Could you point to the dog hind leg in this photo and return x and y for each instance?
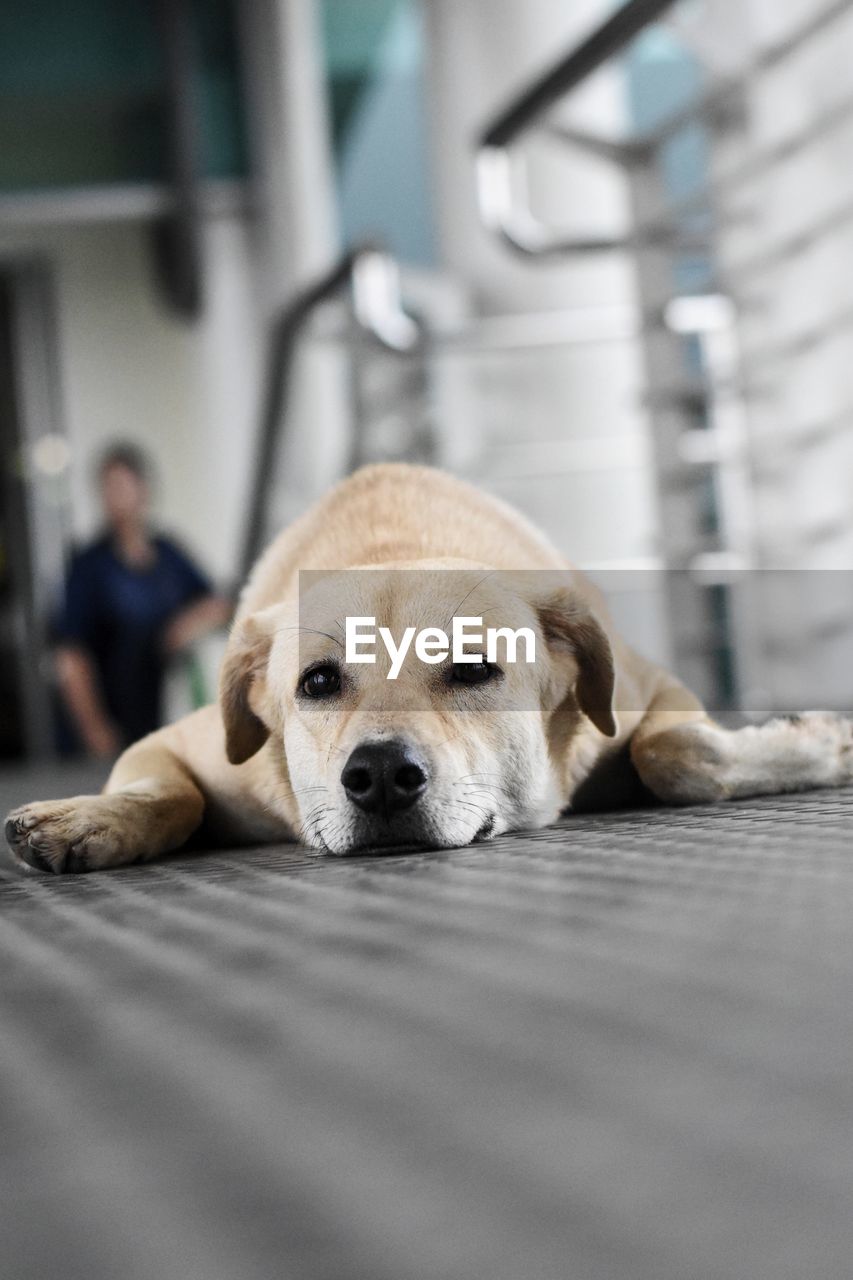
(695, 760)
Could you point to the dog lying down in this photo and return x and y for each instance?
(458, 747)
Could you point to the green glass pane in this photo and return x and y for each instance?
(81, 93)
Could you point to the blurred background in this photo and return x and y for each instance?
(595, 258)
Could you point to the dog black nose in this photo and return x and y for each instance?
(384, 777)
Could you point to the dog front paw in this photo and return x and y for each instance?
(60, 836)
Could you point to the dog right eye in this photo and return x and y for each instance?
(471, 673)
(322, 682)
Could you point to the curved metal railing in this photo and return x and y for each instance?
(500, 177)
(371, 277)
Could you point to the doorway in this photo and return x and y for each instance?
(32, 520)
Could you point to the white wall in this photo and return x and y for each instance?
(130, 370)
(788, 259)
(190, 392)
(560, 431)
(790, 262)
(539, 413)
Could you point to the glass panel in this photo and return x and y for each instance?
(374, 60)
(81, 93)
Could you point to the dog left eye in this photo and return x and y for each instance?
(322, 682)
(473, 672)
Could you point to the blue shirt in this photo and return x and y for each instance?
(117, 612)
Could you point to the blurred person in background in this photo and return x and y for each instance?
(132, 601)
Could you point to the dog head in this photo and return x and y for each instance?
(428, 747)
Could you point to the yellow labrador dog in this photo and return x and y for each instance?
(314, 740)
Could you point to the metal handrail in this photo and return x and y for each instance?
(372, 278)
(569, 72)
(502, 206)
(500, 175)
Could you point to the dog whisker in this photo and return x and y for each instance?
(474, 808)
(484, 578)
(478, 791)
(487, 788)
(313, 819)
(312, 631)
(466, 777)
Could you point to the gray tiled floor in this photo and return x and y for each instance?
(621, 1049)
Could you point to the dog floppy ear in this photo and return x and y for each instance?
(569, 626)
(242, 669)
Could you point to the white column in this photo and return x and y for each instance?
(480, 54)
(297, 231)
(559, 431)
(289, 140)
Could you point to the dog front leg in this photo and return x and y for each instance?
(150, 806)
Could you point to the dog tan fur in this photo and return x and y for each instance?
(272, 761)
